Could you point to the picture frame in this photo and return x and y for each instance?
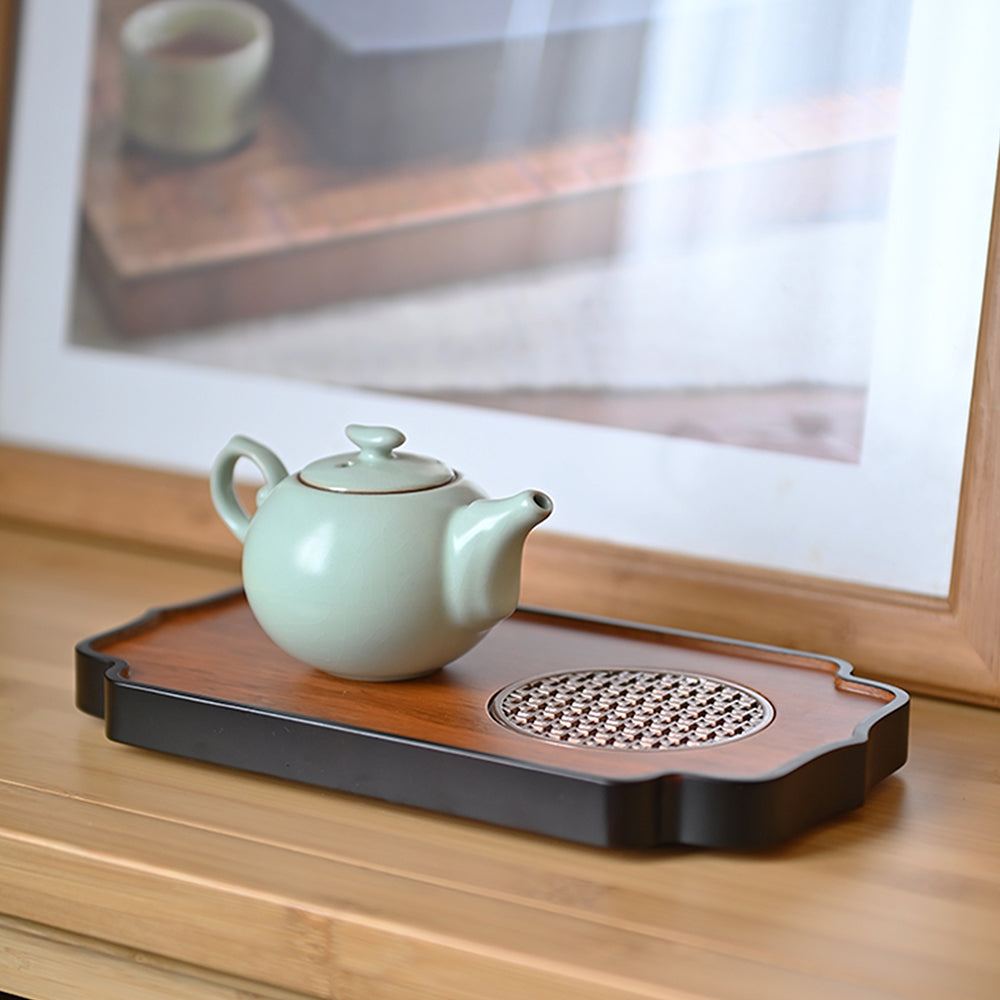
(941, 643)
(8, 48)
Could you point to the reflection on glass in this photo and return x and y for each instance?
(661, 216)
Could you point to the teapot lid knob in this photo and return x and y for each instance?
(376, 443)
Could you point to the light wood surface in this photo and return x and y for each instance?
(128, 873)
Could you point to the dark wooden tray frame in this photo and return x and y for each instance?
(622, 799)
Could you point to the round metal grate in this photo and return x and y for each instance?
(632, 709)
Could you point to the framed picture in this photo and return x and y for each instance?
(857, 552)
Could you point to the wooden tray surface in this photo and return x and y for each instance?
(203, 681)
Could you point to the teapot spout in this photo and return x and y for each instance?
(483, 556)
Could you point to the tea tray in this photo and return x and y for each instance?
(602, 732)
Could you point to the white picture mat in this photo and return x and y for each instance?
(888, 521)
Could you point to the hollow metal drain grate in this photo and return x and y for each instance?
(632, 709)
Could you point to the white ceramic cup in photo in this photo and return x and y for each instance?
(193, 72)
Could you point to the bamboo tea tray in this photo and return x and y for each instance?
(602, 732)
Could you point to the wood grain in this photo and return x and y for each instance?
(127, 863)
(40, 961)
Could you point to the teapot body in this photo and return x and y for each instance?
(355, 584)
(374, 565)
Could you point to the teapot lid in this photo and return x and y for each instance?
(376, 468)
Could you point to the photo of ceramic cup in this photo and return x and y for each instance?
(193, 74)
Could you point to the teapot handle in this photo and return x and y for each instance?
(221, 480)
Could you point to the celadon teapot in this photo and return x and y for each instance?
(375, 564)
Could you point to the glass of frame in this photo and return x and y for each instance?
(881, 528)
